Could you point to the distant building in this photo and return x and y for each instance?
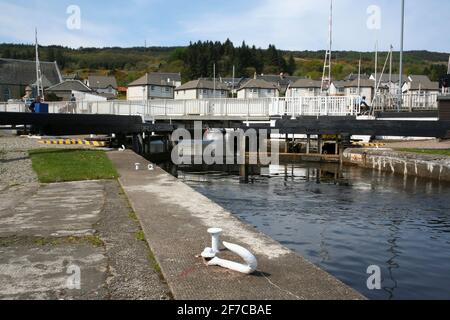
(258, 88)
(16, 75)
(390, 82)
(202, 89)
(72, 76)
(234, 84)
(420, 84)
(337, 88)
(352, 77)
(304, 88)
(154, 86)
(64, 90)
(282, 81)
(105, 86)
(366, 88)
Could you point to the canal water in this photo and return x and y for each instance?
(345, 221)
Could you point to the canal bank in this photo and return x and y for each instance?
(175, 219)
(400, 162)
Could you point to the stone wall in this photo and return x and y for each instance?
(402, 163)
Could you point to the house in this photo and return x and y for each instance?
(337, 88)
(366, 88)
(282, 81)
(65, 89)
(258, 88)
(389, 81)
(105, 86)
(202, 89)
(420, 84)
(16, 75)
(234, 84)
(154, 86)
(304, 88)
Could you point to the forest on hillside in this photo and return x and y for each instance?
(197, 60)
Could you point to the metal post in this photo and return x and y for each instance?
(401, 56)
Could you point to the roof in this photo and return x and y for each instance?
(425, 85)
(340, 83)
(203, 84)
(385, 77)
(23, 72)
(70, 85)
(306, 83)
(422, 82)
(353, 76)
(259, 84)
(102, 82)
(157, 79)
(364, 83)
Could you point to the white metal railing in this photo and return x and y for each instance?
(245, 108)
(410, 102)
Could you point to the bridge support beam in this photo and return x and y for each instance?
(308, 144)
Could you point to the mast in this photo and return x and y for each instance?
(400, 81)
(376, 66)
(390, 67)
(326, 78)
(234, 74)
(359, 76)
(40, 89)
(214, 72)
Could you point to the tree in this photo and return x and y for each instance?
(292, 65)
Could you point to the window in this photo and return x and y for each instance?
(167, 89)
(311, 89)
(153, 88)
(353, 90)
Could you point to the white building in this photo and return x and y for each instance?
(202, 89)
(389, 81)
(105, 86)
(420, 84)
(258, 88)
(154, 86)
(366, 88)
(304, 88)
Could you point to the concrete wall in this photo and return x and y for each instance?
(402, 163)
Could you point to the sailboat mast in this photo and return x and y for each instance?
(40, 89)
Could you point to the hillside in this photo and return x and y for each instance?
(197, 59)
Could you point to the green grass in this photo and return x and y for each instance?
(62, 165)
(438, 152)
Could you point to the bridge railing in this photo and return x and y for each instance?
(410, 102)
(245, 108)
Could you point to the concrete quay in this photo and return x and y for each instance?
(175, 219)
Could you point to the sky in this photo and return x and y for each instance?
(288, 24)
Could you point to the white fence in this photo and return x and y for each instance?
(410, 102)
(245, 108)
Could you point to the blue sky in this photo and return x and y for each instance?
(289, 24)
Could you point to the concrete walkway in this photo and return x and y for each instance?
(48, 231)
(175, 220)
